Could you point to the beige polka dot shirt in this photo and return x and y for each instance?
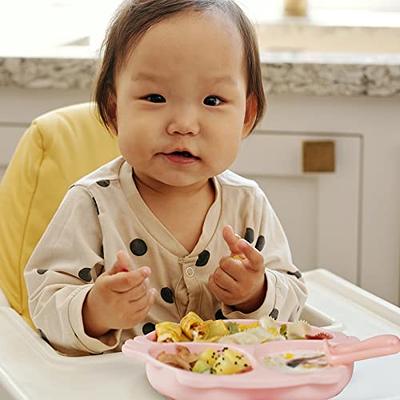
(103, 213)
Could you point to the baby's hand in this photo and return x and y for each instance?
(239, 280)
(119, 299)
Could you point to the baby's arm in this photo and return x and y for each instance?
(61, 273)
(284, 289)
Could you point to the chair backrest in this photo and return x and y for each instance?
(57, 149)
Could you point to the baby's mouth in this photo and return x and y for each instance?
(184, 154)
(181, 157)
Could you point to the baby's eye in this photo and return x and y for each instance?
(154, 98)
(212, 101)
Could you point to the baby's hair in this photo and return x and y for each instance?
(131, 21)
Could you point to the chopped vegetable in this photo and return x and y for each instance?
(217, 362)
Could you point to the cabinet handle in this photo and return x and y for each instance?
(319, 156)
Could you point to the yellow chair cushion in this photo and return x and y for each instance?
(57, 149)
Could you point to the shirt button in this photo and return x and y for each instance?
(189, 272)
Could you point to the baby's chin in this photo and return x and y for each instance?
(175, 180)
(182, 182)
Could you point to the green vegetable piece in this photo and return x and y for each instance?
(201, 367)
(283, 330)
(233, 327)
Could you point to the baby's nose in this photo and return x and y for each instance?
(184, 122)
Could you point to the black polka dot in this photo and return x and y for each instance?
(138, 247)
(203, 258)
(97, 270)
(274, 313)
(249, 235)
(260, 243)
(85, 274)
(219, 315)
(41, 271)
(95, 205)
(148, 327)
(103, 183)
(297, 274)
(167, 295)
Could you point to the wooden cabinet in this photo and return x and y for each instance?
(371, 125)
(319, 211)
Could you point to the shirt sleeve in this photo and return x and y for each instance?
(61, 272)
(286, 291)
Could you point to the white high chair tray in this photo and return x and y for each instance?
(31, 370)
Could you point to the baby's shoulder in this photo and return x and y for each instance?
(240, 196)
(243, 190)
(231, 181)
(102, 176)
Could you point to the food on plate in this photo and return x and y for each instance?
(193, 328)
(223, 361)
(299, 361)
(169, 332)
(190, 324)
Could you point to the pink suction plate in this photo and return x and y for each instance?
(262, 382)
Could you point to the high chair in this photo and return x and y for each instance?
(57, 149)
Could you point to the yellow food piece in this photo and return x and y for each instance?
(244, 327)
(288, 356)
(273, 330)
(189, 323)
(210, 331)
(229, 362)
(169, 332)
(208, 356)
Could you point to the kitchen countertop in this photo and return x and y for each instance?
(286, 72)
(297, 57)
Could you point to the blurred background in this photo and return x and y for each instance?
(327, 152)
(59, 22)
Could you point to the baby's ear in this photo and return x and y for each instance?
(250, 116)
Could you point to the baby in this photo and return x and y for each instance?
(166, 228)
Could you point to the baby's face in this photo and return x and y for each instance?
(181, 100)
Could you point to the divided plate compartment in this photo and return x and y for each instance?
(320, 319)
(260, 383)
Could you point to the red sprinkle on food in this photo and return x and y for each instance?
(320, 336)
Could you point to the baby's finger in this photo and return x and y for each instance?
(141, 302)
(231, 239)
(125, 281)
(224, 280)
(255, 258)
(220, 293)
(124, 259)
(122, 264)
(137, 292)
(141, 314)
(234, 268)
(143, 305)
